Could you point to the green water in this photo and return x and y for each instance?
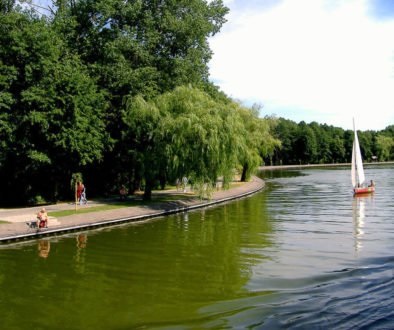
(303, 253)
(160, 272)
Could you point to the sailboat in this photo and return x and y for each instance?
(358, 176)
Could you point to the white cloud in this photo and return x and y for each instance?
(306, 61)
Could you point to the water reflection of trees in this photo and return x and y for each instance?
(279, 173)
(160, 271)
(169, 269)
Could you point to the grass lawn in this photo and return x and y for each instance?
(118, 204)
(159, 196)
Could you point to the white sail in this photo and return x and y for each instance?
(358, 176)
(354, 179)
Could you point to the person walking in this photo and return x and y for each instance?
(81, 193)
(184, 183)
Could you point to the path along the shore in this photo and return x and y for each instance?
(16, 228)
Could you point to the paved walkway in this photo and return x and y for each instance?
(17, 229)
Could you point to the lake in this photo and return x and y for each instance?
(304, 253)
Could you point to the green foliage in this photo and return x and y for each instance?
(52, 114)
(6, 6)
(254, 139)
(385, 147)
(305, 144)
(182, 133)
(138, 48)
(37, 200)
(119, 92)
(143, 47)
(319, 143)
(198, 131)
(75, 178)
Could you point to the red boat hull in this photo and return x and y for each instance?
(363, 190)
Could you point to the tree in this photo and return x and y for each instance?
(269, 144)
(183, 133)
(367, 144)
(385, 147)
(256, 140)
(53, 109)
(337, 149)
(6, 6)
(305, 145)
(142, 120)
(139, 48)
(311, 143)
(385, 144)
(143, 47)
(285, 131)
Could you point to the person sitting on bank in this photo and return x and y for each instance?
(42, 218)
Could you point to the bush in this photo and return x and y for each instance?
(37, 200)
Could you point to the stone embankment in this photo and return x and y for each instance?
(16, 228)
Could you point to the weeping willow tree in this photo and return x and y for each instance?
(269, 143)
(248, 156)
(142, 121)
(202, 137)
(188, 133)
(183, 133)
(255, 140)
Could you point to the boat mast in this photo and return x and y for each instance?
(357, 160)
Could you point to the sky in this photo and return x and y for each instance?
(327, 61)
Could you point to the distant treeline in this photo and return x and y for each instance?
(315, 143)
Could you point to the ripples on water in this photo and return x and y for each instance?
(303, 254)
(334, 266)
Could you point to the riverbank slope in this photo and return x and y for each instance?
(16, 228)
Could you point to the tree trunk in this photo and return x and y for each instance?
(245, 168)
(148, 190)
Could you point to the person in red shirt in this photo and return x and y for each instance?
(80, 188)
